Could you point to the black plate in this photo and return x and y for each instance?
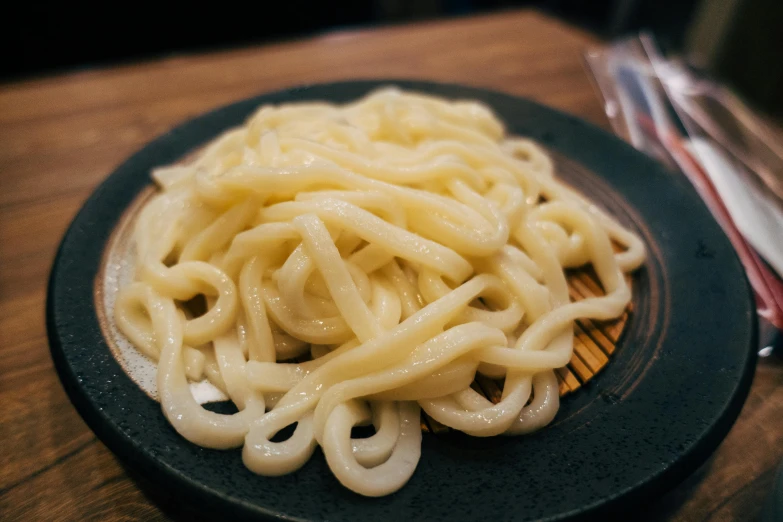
(668, 397)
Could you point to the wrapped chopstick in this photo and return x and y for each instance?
(641, 95)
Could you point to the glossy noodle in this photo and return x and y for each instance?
(357, 264)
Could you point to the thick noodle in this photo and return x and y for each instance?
(360, 263)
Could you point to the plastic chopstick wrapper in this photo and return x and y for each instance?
(647, 101)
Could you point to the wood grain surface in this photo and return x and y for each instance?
(60, 136)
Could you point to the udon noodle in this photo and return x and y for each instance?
(357, 264)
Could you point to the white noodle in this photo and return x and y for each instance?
(404, 242)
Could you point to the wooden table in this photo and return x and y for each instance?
(61, 136)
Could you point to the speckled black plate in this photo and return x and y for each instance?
(665, 401)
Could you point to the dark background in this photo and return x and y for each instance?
(46, 36)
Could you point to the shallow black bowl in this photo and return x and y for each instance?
(668, 397)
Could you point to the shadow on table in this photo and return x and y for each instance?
(172, 507)
(745, 506)
(671, 503)
(721, 492)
